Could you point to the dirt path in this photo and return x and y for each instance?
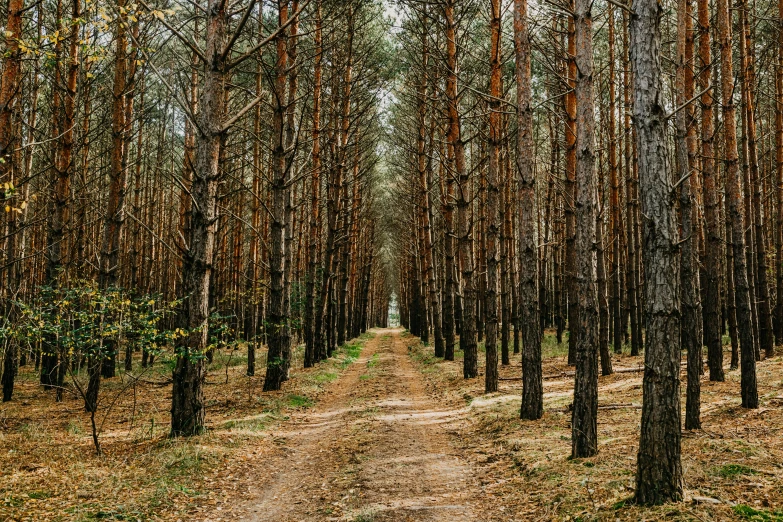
(374, 448)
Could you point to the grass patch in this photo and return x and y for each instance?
(185, 459)
(757, 515)
(341, 359)
(299, 401)
(350, 352)
(325, 377)
(75, 427)
(423, 357)
(228, 359)
(371, 364)
(728, 471)
(551, 348)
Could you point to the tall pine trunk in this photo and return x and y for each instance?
(492, 208)
(187, 403)
(659, 470)
(277, 320)
(584, 425)
(467, 338)
(532, 378)
(713, 242)
(735, 212)
(690, 329)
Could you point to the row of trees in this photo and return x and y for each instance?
(218, 155)
(576, 175)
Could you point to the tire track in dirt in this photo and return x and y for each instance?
(373, 448)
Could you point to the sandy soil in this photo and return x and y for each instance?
(375, 447)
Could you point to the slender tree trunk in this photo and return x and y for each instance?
(115, 210)
(617, 226)
(603, 304)
(634, 300)
(277, 319)
(690, 331)
(9, 87)
(187, 407)
(449, 292)
(735, 212)
(584, 426)
(492, 209)
(467, 338)
(64, 170)
(713, 246)
(779, 179)
(731, 308)
(315, 189)
(764, 312)
(532, 378)
(571, 193)
(659, 470)
(505, 259)
(423, 194)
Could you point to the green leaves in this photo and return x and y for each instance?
(80, 319)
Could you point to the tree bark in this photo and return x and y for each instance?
(571, 192)
(659, 470)
(9, 90)
(584, 426)
(779, 180)
(763, 309)
(713, 247)
(617, 227)
(277, 319)
(492, 208)
(690, 331)
(315, 188)
(532, 379)
(467, 338)
(735, 212)
(187, 403)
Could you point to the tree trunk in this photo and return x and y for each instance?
(422, 196)
(603, 304)
(764, 312)
(632, 199)
(616, 304)
(713, 247)
(467, 338)
(449, 291)
(690, 331)
(779, 179)
(532, 378)
(315, 189)
(187, 403)
(659, 470)
(571, 193)
(9, 86)
(277, 320)
(115, 210)
(492, 207)
(735, 212)
(779, 191)
(584, 426)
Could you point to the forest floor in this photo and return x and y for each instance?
(382, 432)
